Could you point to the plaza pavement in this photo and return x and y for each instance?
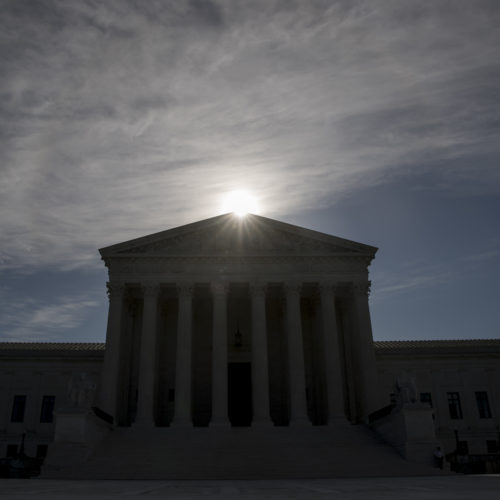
(456, 487)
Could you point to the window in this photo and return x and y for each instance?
(47, 413)
(454, 405)
(492, 446)
(425, 397)
(41, 450)
(11, 450)
(18, 408)
(483, 405)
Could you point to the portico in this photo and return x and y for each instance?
(238, 308)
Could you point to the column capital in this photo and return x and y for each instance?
(258, 289)
(115, 290)
(361, 288)
(150, 289)
(220, 288)
(327, 288)
(292, 288)
(185, 290)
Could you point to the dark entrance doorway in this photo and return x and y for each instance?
(239, 394)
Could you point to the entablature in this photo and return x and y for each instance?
(231, 265)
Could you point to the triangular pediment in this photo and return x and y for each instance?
(227, 235)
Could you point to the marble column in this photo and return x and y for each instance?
(147, 357)
(260, 369)
(366, 362)
(354, 413)
(331, 350)
(219, 355)
(111, 367)
(182, 408)
(296, 368)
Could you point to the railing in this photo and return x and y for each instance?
(474, 464)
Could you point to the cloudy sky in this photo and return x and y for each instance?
(377, 121)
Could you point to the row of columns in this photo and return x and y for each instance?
(260, 371)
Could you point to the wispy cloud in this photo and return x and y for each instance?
(482, 256)
(32, 320)
(410, 283)
(123, 118)
(419, 275)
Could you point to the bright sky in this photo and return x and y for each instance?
(376, 121)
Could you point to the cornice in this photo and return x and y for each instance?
(51, 351)
(341, 261)
(483, 348)
(384, 350)
(339, 256)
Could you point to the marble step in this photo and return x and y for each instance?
(240, 453)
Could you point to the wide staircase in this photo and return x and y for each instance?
(237, 453)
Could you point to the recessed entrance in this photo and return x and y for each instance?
(240, 394)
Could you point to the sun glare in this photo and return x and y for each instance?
(240, 203)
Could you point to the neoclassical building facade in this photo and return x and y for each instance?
(246, 339)
(235, 320)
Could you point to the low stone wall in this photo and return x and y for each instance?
(410, 430)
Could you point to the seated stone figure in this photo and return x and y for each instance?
(81, 390)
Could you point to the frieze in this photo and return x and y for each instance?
(230, 265)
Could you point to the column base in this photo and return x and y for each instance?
(143, 424)
(219, 424)
(181, 424)
(300, 422)
(337, 420)
(262, 423)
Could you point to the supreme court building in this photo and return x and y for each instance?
(242, 347)
(238, 321)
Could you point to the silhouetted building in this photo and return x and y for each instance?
(242, 347)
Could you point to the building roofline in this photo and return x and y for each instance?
(437, 347)
(391, 344)
(229, 218)
(381, 346)
(52, 346)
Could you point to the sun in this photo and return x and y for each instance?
(240, 202)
